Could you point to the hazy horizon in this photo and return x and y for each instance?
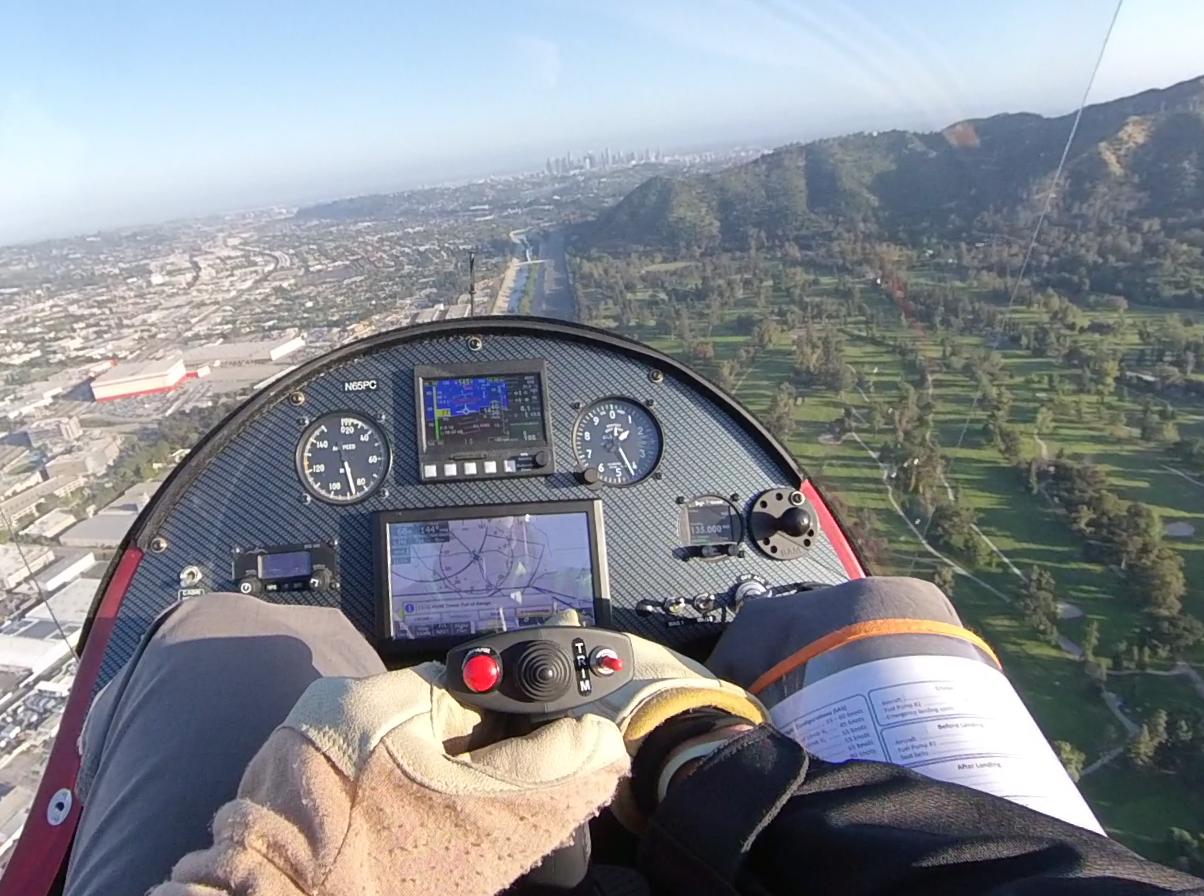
(127, 116)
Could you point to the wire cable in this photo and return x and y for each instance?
(1032, 243)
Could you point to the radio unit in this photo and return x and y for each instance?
(286, 567)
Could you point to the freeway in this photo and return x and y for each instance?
(553, 298)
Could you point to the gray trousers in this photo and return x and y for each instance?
(166, 741)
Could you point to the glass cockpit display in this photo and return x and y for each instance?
(478, 411)
(459, 572)
(483, 420)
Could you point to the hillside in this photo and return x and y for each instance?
(1129, 213)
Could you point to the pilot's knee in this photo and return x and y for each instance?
(228, 614)
(890, 597)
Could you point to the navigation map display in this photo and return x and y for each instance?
(449, 575)
(484, 411)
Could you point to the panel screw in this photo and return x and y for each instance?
(296, 398)
(733, 497)
(680, 499)
(797, 499)
(59, 807)
(384, 492)
(577, 405)
(475, 343)
(658, 475)
(306, 499)
(158, 544)
(303, 421)
(656, 376)
(650, 402)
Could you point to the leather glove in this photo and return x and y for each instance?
(665, 684)
(386, 785)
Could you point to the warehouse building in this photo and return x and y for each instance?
(33, 649)
(18, 563)
(12, 456)
(64, 572)
(67, 608)
(26, 502)
(257, 352)
(105, 530)
(127, 380)
(49, 525)
(90, 460)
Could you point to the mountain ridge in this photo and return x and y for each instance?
(1137, 161)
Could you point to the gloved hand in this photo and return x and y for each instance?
(665, 684)
(387, 784)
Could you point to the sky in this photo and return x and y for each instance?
(134, 111)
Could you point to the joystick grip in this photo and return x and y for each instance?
(543, 672)
(547, 671)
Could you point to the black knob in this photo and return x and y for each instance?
(320, 580)
(647, 607)
(542, 672)
(795, 522)
(541, 459)
(250, 585)
(588, 476)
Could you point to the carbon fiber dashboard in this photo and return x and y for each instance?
(240, 489)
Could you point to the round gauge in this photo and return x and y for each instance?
(620, 439)
(342, 458)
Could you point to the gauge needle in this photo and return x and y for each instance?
(630, 465)
(624, 434)
(350, 476)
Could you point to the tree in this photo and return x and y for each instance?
(1142, 748)
(943, 578)
(1160, 581)
(1072, 758)
(1188, 849)
(1157, 724)
(1090, 639)
(1045, 418)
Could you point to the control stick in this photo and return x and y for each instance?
(543, 674)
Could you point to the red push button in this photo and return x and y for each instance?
(481, 672)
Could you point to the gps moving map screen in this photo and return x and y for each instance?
(484, 411)
(456, 577)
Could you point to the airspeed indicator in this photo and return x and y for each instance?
(620, 439)
(342, 458)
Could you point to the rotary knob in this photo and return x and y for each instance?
(750, 588)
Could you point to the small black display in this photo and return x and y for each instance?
(292, 565)
(462, 572)
(484, 411)
(711, 519)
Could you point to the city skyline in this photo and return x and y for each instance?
(122, 117)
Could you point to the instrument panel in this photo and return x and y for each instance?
(441, 481)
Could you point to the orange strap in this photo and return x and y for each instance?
(859, 630)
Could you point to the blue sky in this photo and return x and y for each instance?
(130, 111)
